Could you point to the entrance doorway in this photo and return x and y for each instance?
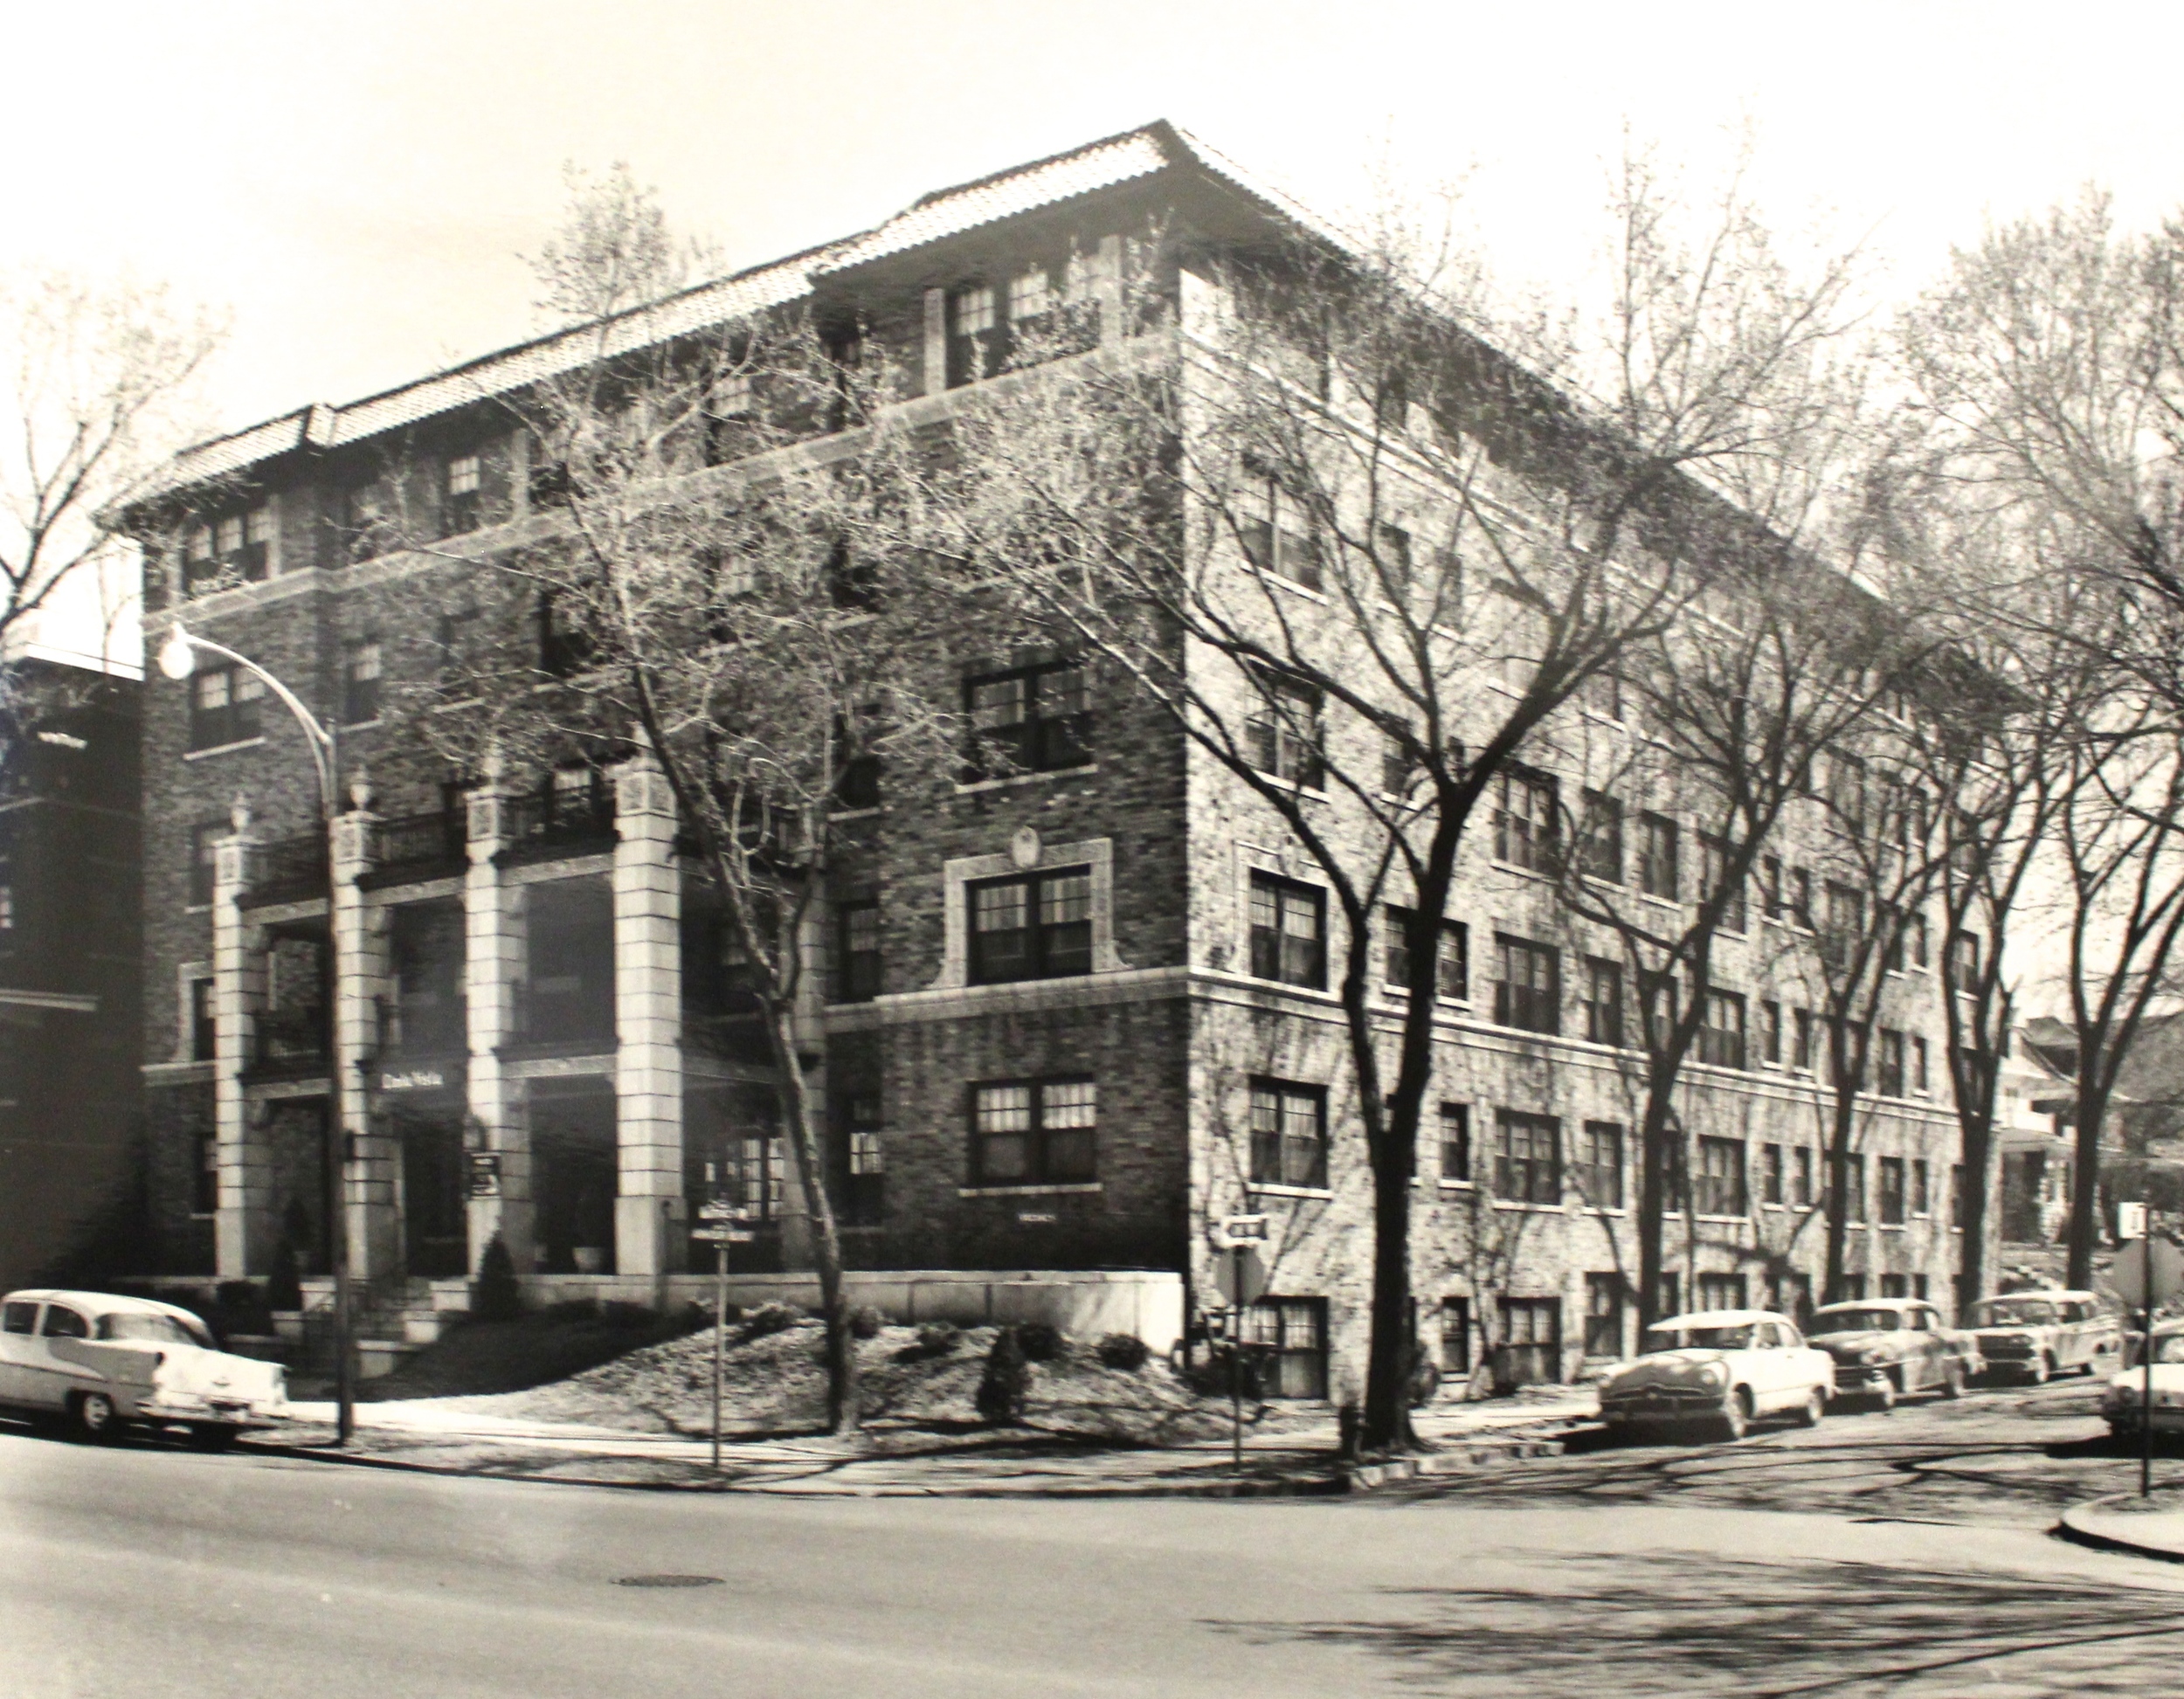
(435, 1226)
(573, 1157)
(302, 1180)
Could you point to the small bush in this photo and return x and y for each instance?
(769, 1319)
(618, 1313)
(240, 1307)
(574, 1309)
(283, 1284)
(1124, 1350)
(1006, 1380)
(1041, 1344)
(866, 1321)
(939, 1339)
(494, 1295)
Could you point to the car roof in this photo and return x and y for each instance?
(1719, 1318)
(1874, 1303)
(2051, 1294)
(102, 1303)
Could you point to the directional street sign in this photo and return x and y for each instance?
(719, 1209)
(723, 1235)
(2131, 1221)
(1236, 1230)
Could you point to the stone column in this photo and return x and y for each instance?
(649, 1226)
(1108, 289)
(936, 368)
(370, 1179)
(493, 961)
(244, 1226)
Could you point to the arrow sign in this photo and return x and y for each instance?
(723, 1235)
(719, 1209)
(1236, 1230)
(2147, 1267)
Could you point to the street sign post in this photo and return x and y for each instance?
(2148, 1271)
(725, 1223)
(1242, 1280)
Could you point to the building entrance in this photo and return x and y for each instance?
(302, 1180)
(435, 1226)
(573, 1158)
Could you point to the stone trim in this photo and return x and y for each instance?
(968, 1002)
(1029, 855)
(1079, 1188)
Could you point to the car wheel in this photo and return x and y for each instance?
(1953, 1380)
(1809, 1413)
(1885, 1394)
(95, 1416)
(1735, 1414)
(2042, 1368)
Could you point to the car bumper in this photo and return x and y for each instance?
(1658, 1408)
(2130, 1418)
(237, 1416)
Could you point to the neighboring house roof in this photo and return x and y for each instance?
(2150, 1075)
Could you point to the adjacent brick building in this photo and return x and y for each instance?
(1072, 1013)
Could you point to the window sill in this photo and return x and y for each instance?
(1268, 1189)
(974, 787)
(224, 749)
(1267, 575)
(1534, 1209)
(1458, 1185)
(1280, 783)
(1522, 871)
(1073, 1188)
(1401, 993)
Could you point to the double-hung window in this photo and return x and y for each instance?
(223, 706)
(1721, 1039)
(864, 1196)
(1600, 1164)
(858, 942)
(1529, 993)
(459, 505)
(1527, 1158)
(1846, 924)
(1288, 1133)
(1282, 734)
(1451, 960)
(1718, 1186)
(1892, 1196)
(1889, 1082)
(1657, 856)
(1600, 855)
(974, 335)
(1288, 931)
(361, 668)
(1276, 533)
(1525, 822)
(1037, 926)
(1714, 879)
(1604, 1000)
(1770, 1173)
(1455, 1142)
(1034, 1132)
(1033, 719)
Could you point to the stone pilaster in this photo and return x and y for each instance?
(649, 1226)
(243, 1226)
(935, 372)
(493, 961)
(371, 1157)
(1108, 288)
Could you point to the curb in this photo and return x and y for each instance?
(2073, 1527)
(1461, 1460)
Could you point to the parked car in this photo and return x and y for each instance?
(1722, 1367)
(1889, 1348)
(105, 1361)
(2033, 1335)
(2123, 1403)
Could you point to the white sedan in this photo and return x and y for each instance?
(105, 1361)
(2123, 1403)
(1725, 1367)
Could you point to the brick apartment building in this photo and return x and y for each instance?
(1072, 1014)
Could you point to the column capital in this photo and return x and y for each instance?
(353, 844)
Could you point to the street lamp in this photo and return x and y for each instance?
(178, 659)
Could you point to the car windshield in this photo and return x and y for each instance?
(158, 1330)
(2015, 1312)
(1701, 1339)
(2169, 1348)
(1856, 1320)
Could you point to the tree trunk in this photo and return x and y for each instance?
(1978, 1134)
(1387, 1409)
(843, 1413)
(2086, 1180)
(1652, 1202)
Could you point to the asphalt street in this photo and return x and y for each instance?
(1897, 1554)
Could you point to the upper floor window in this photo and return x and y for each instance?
(1657, 856)
(1527, 1158)
(203, 1024)
(1038, 926)
(360, 682)
(223, 705)
(1602, 694)
(864, 1197)
(1033, 719)
(205, 838)
(1600, 1164)
(234, 547)
(1846, 786)
(1604, 1000)
(1892, 1198)
(1276, 534)
(1288, 1133)
(1771, 1034)
(1034, 1132)
(1846, 923)
(1601, 855)
(460, 502)
(1890, 1073)
(1525, 822)
(1288, 931)
(1714, 877)
(1964, 962)
(1455, 1142)
(1284, 736)
(564, 646)
(1721, 1041)
(1718, 1186)
(858, 938)
(1451, 964)
(974, 338)
(1529, 993)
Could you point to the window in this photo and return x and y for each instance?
(1892, 1196)
(1031, 298)
(21, 1317)
(1602, 694)
(1288, 931)
(1771, 897)
(974, 339)
(1455, 1142)
(1845, 783)
(1959, 1203)
(224, 704)
(1276, 533)
(1657, 856)
(1451, 965)
(1604, 1304)
(236, 547)
(1529, 993)
(1524, 826)
(1802, 1041)
(1846, 924)
(1890, 925)
(1920, 938)
(1398, 768)
(1894, 1286)
(1770, 1173)
(1034, 720)
(1531, 1340)
(1713, 873)
(1036, 926)
(1660, 1008)
(864, 1194)
(1964, 962)
(1293, 1334)
(1718, 1186)
(62, 1322)
(360, 682)
(1671, 1292)
(204, 1028)
(1032, 1132)
(1801, 1193)
(1890, 1080)
(1604, 1000)
(857, 935)
(205, 840)
(1721, 1039)
(1288, 1133)
(1854, 1188)
(1800, 899)
(1601, 855)
(458, 507)
(1284, 736)
(1721, 1291)
(1920, 1078)
(565, 648)
(1771, 1033)
(204, 1174)
(1600, 1164)
(1921, 1188)
(1456, 1335)
(857, 764)
(1527, 1158)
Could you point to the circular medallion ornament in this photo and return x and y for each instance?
(1024, 848)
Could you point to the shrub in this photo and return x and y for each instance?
(1124, 1350)
(618, 1313)
(494, 1295)
(770, 1318)
(939, 1339)
(284, 1285)
(574, 1309)
(240, 1307)
(866, 1321)
(1007, 1378)
(1041, 1344)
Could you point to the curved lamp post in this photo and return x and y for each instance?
(178, 659)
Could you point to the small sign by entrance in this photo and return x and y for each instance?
(1036, 1218)
(485, 1174)
(723, 1234)
(412, 1079)
(720, 1208)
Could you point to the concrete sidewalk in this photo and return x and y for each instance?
(2150, 1526)
(889, 1462)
